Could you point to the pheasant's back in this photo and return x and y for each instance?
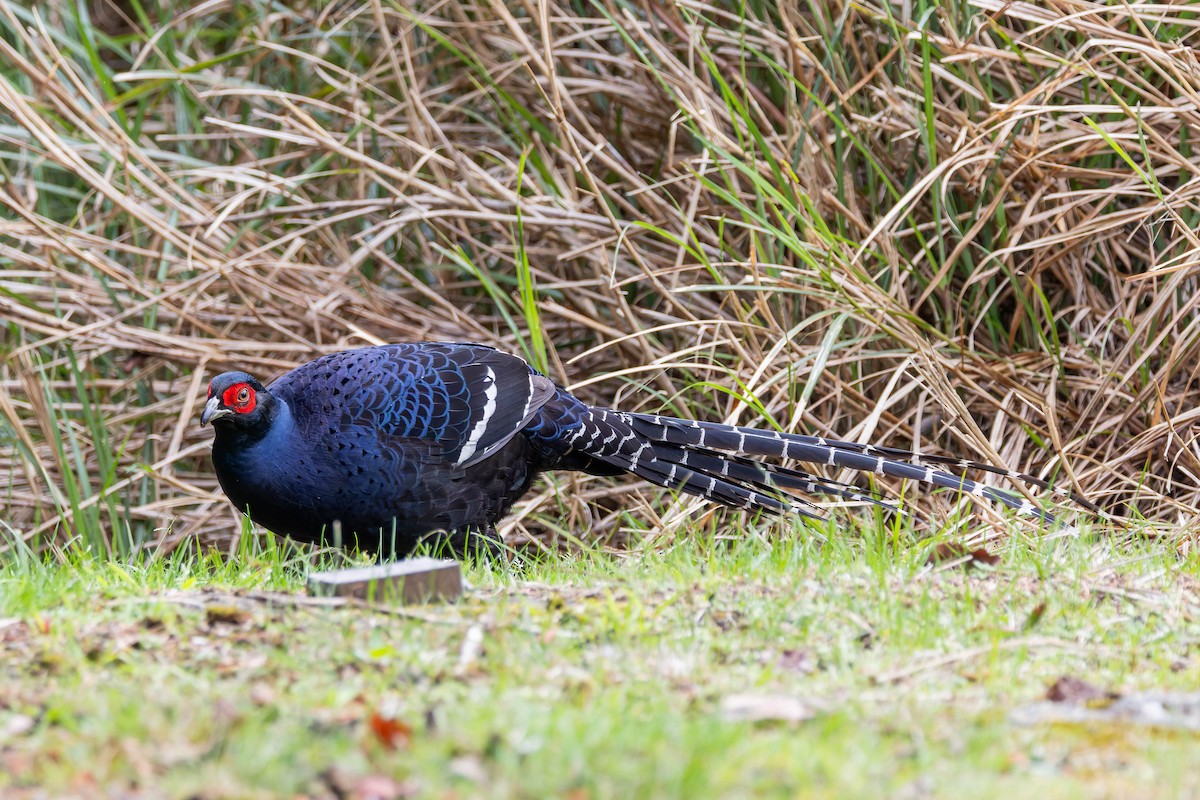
(403, 391)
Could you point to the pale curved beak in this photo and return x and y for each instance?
(213, 411)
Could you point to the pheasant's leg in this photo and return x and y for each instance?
(467, 543)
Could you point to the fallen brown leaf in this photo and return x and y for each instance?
(390, 732)
(225, 615)
(1035, 616)
(954, 551)
(1069, 689)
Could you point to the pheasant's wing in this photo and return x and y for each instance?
(463, 401)
(491, 396)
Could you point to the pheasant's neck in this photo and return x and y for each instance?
(276, 426)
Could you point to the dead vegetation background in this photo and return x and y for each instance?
(962, 227)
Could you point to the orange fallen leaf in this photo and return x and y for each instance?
(391, 733)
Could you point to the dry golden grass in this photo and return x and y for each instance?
(963, 229)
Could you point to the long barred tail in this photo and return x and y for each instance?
(717, 462)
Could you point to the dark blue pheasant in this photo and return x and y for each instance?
(393, 445)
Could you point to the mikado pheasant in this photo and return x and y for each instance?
(393, 445)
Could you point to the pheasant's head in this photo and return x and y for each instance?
(238, 400)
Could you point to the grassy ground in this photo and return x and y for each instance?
(742, 668)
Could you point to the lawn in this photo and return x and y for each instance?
(744, 667)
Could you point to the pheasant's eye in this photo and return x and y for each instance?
(243, 396)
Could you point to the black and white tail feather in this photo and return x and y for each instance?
(718, 462)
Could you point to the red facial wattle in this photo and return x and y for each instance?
(240, 398)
